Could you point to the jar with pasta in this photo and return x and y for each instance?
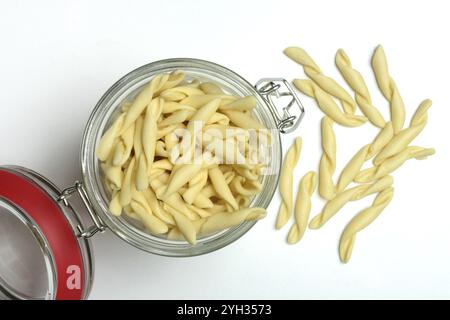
(183, 155)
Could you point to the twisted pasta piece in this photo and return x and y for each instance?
(357, 83)
(185, 226)
(202, 115)
(221, 186)
(389, 89)
(196, 184)
(353, 167)
(400, 141)
(361, 221)
(155, 206)
(327, 84)
(123, 148)
(285, 185)
(225, 220)
(327, 104)
(106, 143)
(137, 140)
(143, 99)
(381, 140)
(391, 164)
(125, 192)
(327, 164)
(306, 188)
(181, 176)
(353, 194)
(113, 174)
(149, 130)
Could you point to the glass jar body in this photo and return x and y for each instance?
(106, 111)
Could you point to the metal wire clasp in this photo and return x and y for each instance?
(98, 224)
(273, 89)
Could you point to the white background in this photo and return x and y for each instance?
(58, 57)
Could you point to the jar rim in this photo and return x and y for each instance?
(109, 102)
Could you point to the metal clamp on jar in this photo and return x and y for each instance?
(45, 248)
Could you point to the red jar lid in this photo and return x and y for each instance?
(32, 202)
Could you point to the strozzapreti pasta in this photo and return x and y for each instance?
(392, 163)
(286, 180)
(327, 164)
(388, 88)
(357, 83)
(353, 167)
(161, 174)
(327, 84)
(302, 206)
(352, 194)
(328, 105)
(401, 140)
(389, 150)
(361, 221)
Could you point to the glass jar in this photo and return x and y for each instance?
(268, 92)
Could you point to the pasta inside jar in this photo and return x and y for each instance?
(207, 166)
(159, 188)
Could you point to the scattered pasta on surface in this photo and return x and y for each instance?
(361, 221)
(302, 207)
(286, 180)
(388, 150)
